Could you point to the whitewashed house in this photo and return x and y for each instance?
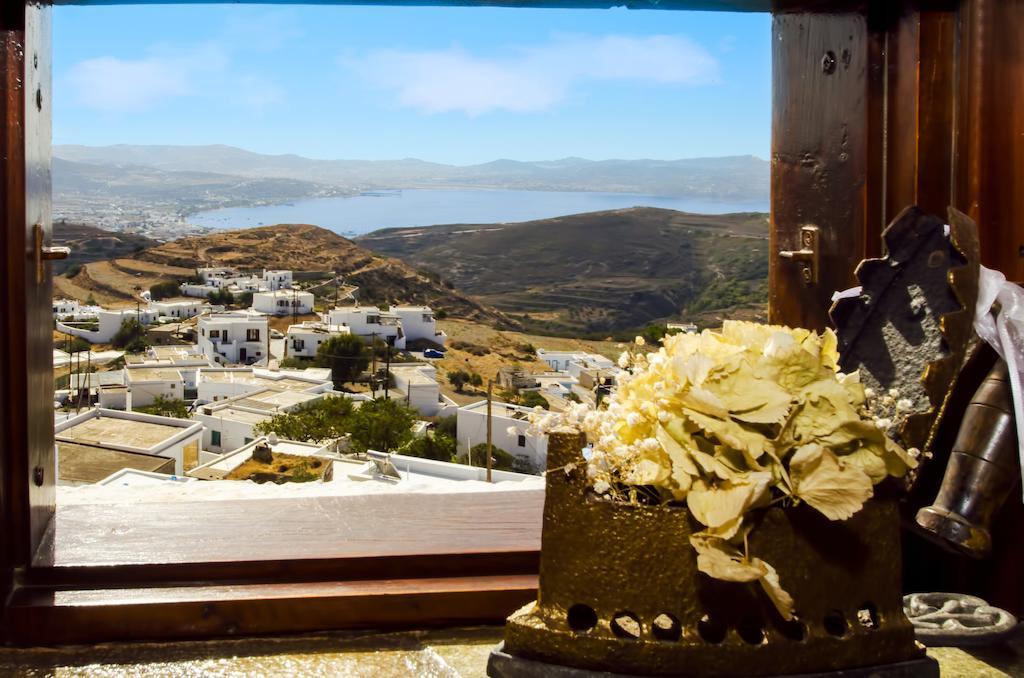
(102, 432)
(109, 323)
(234, 338)
(277, 280)
(215, 384)
(418, 322)
(230, 424)
(146, 384)
(283, 302)
(179, 310)
(509, 424)
(370, 323)
(65, 307)
(416, 386)
(303, 339)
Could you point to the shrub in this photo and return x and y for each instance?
(78, 344)
(72, 270)
(166, 407)
(447, 426)
(164, 290)
(458, 379)
(439, 447)
(500, 459)
(295, 363)
(533, 399)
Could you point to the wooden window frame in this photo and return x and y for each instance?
(905, 113)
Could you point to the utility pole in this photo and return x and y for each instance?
(490, 446)
(373, 365)
(387, 368)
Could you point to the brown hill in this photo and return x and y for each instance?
(302, 247)
(89, 243)
(599, 273)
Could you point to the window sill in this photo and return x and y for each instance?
(251, 566)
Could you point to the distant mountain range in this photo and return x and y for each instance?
(185, 189)
(738, 178)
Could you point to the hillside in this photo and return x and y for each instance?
(302, 247)
(89, 243)
(602, 272)
(738, 178)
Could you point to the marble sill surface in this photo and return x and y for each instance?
(446, 653)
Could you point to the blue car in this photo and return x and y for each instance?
(433, 353)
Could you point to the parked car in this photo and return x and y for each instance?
(433, 353)
(276, 334)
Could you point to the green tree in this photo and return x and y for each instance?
(500, 459)
(166, 407)
(447, 426)
(164, 290)
(476, 380)
(346, 355)
(317, 422)
(131, 336)
(78, 344)
(382, 424)
(439, 447)
(458, 379)
(90, 300)
(533, 399)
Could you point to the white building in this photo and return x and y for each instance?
(418, 322)
(234, 338)
(303, 339)
(587, 368)
(277, 280)
(65, 307)
(416, 386)
(146, 384)
(509, 424)
(370, 323)
(109, 323)
(179, 310)
(99, 431)
(186, 358)
(283, 302)
(230, 424)
(215, 275)
(215, 384)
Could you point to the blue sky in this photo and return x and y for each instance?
(456, 85)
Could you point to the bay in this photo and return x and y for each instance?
(362, 214)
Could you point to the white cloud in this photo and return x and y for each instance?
(532, 78)
(111, 84)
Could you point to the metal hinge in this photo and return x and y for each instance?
(44, 253)
(807, 255)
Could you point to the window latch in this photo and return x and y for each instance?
(44, 253)
(807, 255)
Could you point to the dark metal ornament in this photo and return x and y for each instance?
(620, 590)
(912, 324)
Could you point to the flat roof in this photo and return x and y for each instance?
(506, 410)
(283, 293)
(91, 464)
(275, 399)
(235, 414)
(414, 375)
(125, 431)
(138, 374)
